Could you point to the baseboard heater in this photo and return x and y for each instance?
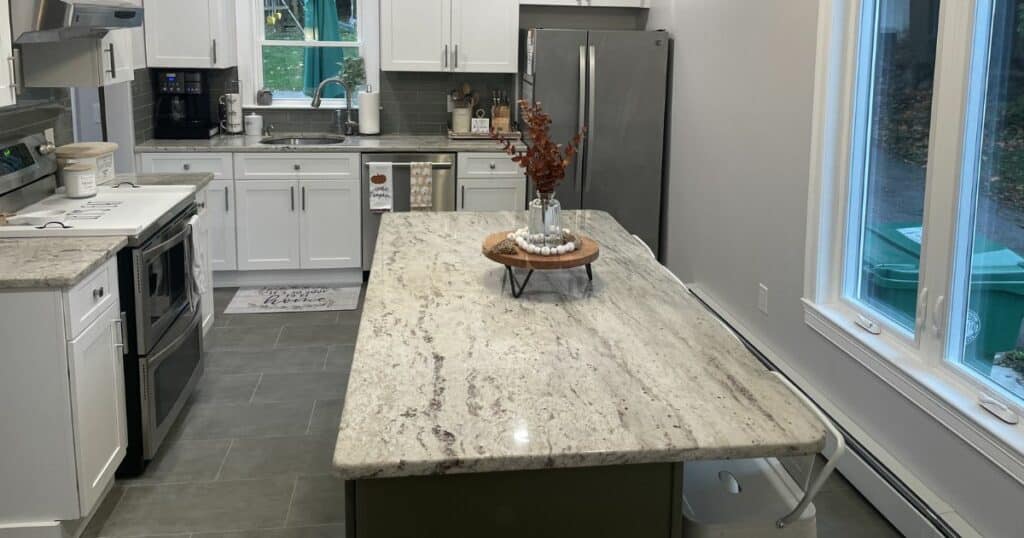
(901, 488)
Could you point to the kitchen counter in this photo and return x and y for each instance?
(453, 375)
(53, 262)
(353, 144)
(198, 180)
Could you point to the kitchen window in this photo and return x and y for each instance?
(299, 43)
(916, 227)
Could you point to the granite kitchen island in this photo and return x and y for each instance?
(570, 411)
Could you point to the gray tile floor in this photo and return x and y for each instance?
(251, 454)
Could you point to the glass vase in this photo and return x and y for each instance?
(545, 220)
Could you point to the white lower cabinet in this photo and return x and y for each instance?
(498, 194)
(63, 427)
(267, 224)
(220, 209)
(97, 405)
(330, 224)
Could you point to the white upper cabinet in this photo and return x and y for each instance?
(485, 36)
(8, 94)
(588, 3)
(191, 34)
(415, 35)
(80, 62)
(469, 36)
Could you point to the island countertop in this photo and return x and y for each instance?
(453, 375)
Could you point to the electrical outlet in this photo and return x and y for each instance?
(762, 298)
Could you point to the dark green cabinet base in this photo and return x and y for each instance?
(638, 501)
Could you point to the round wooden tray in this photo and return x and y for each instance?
(584, 255)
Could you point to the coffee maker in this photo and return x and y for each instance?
(182, 105)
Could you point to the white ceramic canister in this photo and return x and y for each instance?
(79, 180)
(98, 154)
(254, 125)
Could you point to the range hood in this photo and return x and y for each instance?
(47, 21)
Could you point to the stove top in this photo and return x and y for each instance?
(124, 210)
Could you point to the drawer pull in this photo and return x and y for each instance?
(493, 165)
(98, 293)
(298, 167)
(187, 166)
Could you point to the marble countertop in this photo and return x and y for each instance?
(353, 144)
(453, 375)
(197, 180)
(53, 262)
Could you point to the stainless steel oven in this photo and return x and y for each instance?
(162, 267)
(165, 325)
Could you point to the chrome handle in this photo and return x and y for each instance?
(581, 115)
(456, 54)
(187, 167)
(227, 200)
(14, 76)
(463, 206)
(16, 69)
(214, 52)
(168, 244)
(446, 56)
(303, 198)
(591, 129)
(292, 189)
(119, 323)
(113, 66)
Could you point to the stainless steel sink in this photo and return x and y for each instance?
(303, 140)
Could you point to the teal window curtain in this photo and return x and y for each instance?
(322, 62)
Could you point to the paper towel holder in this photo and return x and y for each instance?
(369, 112)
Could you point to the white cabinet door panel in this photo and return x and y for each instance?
(267, 220)
(97, 405)
(415, 35)
(220, 210)
(485, 36)
(331, 224)
(7, 89)
(497, 194)
(178, 34)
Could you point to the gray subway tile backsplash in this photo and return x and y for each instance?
(37, 110)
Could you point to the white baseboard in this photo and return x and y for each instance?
(889, 502)
(310, 277)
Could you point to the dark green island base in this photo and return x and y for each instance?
(638, 501)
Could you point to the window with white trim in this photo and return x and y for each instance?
(919, 176)
(299, 43)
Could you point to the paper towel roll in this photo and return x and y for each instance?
(369, 113)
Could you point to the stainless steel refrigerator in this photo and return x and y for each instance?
(614, 83)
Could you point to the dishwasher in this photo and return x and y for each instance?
(444, 189)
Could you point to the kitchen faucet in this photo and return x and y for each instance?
(351, 127)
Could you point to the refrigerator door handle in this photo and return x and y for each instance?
(591, 128)
(582, 116)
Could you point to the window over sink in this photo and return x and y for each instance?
(299, 43)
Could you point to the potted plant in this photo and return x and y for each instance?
(544, 162)
(1013, 361)
(352, 76)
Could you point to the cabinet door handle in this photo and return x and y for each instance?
(446, 56)
(456, 56)
(119, 322)
(227, 200)
(463, 205)
(214, 52)
(14, 76)
(303, 198)
(292, 189)
(113, 65)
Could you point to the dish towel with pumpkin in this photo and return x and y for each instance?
(382, 192)
(421, 186)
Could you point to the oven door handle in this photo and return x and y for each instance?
(166, 245)
(158, 356)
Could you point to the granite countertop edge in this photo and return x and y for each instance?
(53, 262)
(355, 144)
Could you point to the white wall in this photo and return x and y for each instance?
(736, 217)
